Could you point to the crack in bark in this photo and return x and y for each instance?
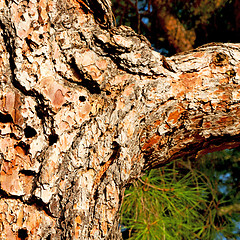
(144, 66)
(44, 112)
(65, 223)
(6, 118)
(40, 206)
(28, 172)
(115, 154)
(101, 10)
(86, 80)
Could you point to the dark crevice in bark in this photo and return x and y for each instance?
(62, 219)
(31, 202)
(86, 79)
(53, 138)
(5, 118)
(44, 112)
(10, 46)
(29, 132)
(220, 59)
(31, 45)
(107, 49)
(22, 233)
(40, 205)
(6, 2)
(82, 98)
(48, 237)
(108, 93)
(28, 172)
(193, 70)
(167, 65)
(5, 195)
(101, 10)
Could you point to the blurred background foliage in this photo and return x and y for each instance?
(179, 25)
(190, 198)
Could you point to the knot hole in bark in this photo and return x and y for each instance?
(5, 118)
(29, 132)
(22, 233)
(52, 139)
(220, 59)
(82, 98)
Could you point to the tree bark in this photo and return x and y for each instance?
(85, 108)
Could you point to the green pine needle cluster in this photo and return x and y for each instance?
(180, 203)
(163, 206)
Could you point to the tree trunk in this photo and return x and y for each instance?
(85, 108)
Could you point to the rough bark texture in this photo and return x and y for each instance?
(85, 108)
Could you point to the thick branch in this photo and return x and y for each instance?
(201, 95)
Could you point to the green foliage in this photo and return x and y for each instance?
(221, 170)
(163, 205)
(181, 202)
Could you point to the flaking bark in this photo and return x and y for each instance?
(85, 108)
